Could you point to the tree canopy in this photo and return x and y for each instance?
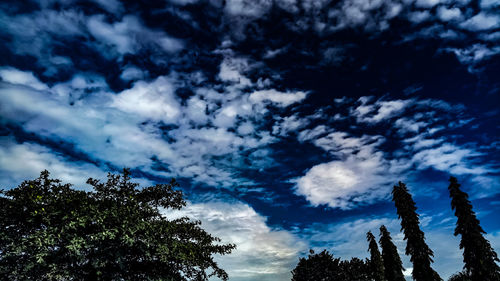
(420, 253)
(376, 263)
(479, 257)
(51, 231)
(393, 266)
(324, 267)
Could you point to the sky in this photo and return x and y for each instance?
(287, 122)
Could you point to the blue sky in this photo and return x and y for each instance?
(287, 122)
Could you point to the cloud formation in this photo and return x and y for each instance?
(261, 252)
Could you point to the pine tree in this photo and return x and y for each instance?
(420, 254)
(393, 267)
(376, 263)
(479, 256)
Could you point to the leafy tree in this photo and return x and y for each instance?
(323, 267)
(317, 267)
(376, 263)
(393, 267)
(479, 256)
(420, 254)
(50, 231)
(354, 270)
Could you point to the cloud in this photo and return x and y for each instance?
(357, 178)
(262, 253)
(276, 97)
(15, 76)
(446, 14)
(360, 168)
(209, 135)
(475, 53)
(129, 35)
(248, 8)
(155, 100)
(231, 71)
(482, 21)
(378, 111)
(133, 73)
(426, 3)
(448, 157)
(19, 162)
(285, 125)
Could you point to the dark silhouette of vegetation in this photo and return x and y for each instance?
(320, 266)
(354, 270)
(324, 267)
(479, 257)
(50, 231)
(393, 267)
(460, 276)
(420, 254)
(376, 263)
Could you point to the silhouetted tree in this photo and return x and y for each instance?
(354, 270)
(317, 267)
(376, 263)
(460, 276)
(393, 267)
(479, 256)
(420, 254)
(50, 231)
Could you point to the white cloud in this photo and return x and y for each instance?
(26, 78)
(482, 21)
(475, 53)
(155, 100)
(489, 3)
(129, 35)
(450, 158)
(311, 134)
(19, 162)
(419, 16)
(132, 73)
(288, 124)
(248, 8)
(276, 97)
(112, 6)
(231, 71)
(426, 3)
(262, 253)
(359, 177)
(360, 168)
(379, 110)
(446, 14)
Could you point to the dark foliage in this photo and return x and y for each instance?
(460, 276)
(49, 231)
(323, 267)
(320, 266)
(393, 267)
(376, 263)
(354, 270)
(479, 256)
(420, 254)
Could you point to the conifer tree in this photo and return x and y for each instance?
(479, 256)
(420, 254)
(393, 267)
(376, 264)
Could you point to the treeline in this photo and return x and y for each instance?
(480, 260)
